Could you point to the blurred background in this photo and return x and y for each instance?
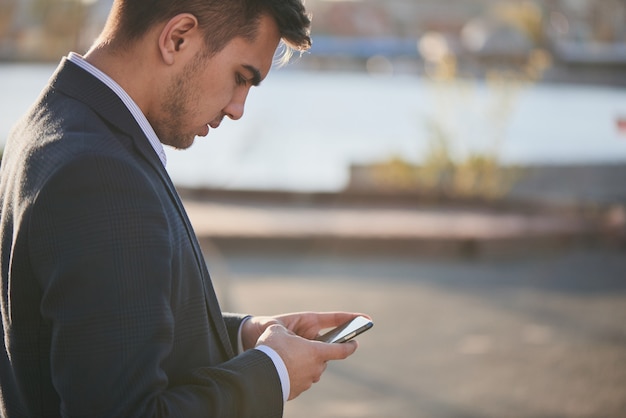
(454, 168)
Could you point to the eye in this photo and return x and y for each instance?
(240, 79)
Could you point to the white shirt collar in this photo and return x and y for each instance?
(130, 104)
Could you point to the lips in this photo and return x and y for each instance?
(215, 123)
(211, 125)
(204, 131)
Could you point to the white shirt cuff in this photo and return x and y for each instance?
(239, 337)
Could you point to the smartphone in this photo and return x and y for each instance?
(347, 331)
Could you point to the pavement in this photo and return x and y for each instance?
(541, 337)
(478, 313)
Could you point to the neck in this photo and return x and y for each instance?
(130, 68)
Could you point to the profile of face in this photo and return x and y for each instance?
(206, 90)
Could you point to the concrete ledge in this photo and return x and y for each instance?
(342, 224)
(404, 247)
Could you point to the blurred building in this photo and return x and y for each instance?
(587, 39)
(587, 31)
(479, 33)
(380, 35)
(44, 30)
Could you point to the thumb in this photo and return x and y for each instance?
(340, 351)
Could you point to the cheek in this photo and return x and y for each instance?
(213, 101)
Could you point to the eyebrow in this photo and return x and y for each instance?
(256, 74)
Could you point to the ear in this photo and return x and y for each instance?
(177, 36)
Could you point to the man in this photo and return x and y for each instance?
(107, 306)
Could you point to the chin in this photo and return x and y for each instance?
(181, 143)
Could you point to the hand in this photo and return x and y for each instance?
(290, 336)
(305, 324)
(305, 359)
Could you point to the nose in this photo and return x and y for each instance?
(234, 111)
(235, 108)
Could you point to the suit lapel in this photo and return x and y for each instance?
(77, 83)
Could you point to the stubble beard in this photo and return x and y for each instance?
(179, 95)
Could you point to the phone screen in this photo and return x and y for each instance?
(347, 331)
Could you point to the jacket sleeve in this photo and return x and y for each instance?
(101, 248)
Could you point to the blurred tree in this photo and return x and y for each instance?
(61, 22)
(445, 170)
(524, 15)
(7, 12)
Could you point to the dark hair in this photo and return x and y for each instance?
(220, 20)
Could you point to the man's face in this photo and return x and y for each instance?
(207, 90)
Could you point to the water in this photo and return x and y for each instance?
(302, 130)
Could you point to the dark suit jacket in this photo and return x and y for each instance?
(107, 305)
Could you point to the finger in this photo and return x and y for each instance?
(321, 372)
(333, 319)
(338, 351)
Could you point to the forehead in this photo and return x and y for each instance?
(258, 52)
